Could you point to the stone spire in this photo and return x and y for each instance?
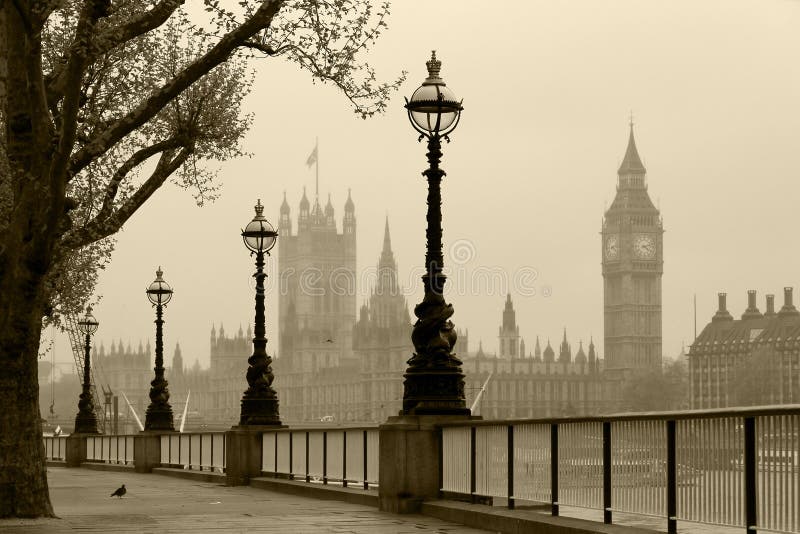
(387, 239)
(580, 357)
(304, 204)
(565, 351)
(177, 360)
(349, 207)
(284, 205)
(632, 163)
(549, 353)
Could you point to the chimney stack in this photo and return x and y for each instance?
(722, 313)
(752, 309)
(788, 305)
(770, 306)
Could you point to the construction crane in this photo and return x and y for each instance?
(75, 340)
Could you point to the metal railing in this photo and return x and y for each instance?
(343, 456)
(110, 449)
(55, 448)
(196, 451)
(722, 467)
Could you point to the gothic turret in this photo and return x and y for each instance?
(303, 219)
(387, 306)
(565, 351)
(177, 360)
(537, 351)
(329, 213)
(580, 357)
(349, 225)
(304, 204)
(549, 353)
(508, 333)
(387, 266)
(285, 221)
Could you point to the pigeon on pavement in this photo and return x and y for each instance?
(119, 492)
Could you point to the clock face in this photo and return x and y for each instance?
(644, 247)
(612, 247)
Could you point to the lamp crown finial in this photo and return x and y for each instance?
(159, 272)
(259, 208)
(434, 65)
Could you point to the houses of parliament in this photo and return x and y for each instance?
(338, 361)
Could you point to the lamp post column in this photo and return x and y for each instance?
(259, 402)
(86, 420)
(159, 413)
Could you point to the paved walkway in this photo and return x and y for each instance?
(161, 504)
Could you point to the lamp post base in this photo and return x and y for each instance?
(86, 423)
(159, 418)
(259, 412)
(434, 392)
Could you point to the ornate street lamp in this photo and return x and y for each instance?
(159, 412)
(259, 402)
(434, 382)
(86, 420)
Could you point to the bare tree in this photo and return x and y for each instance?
(100, 104)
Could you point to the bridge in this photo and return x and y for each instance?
(702, 471)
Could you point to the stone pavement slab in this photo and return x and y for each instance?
(159, 504)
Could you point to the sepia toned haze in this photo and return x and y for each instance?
(548, 91)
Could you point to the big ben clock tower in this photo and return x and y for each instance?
(633, 263)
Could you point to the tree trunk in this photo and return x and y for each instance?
(28, 230)
(23, 474)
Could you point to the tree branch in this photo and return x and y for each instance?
(92, 11)
(264, 48)
(219, 53)
(111, 38)
(132, 162)
(98, 229)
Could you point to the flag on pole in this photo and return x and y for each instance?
(312, 158)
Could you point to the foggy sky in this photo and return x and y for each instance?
(548, 88)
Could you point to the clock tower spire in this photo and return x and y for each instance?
(632, 261)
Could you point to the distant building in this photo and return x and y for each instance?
(317, 302)
(746, 361)
(227, 375)
(125, 371)
(533, 385)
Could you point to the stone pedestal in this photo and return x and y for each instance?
(146, 451)
(409, 461)
(243, 453)
(75, 453)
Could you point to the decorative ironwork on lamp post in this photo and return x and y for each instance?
(159, 412)
(86, 420)
(259, 402)
(434, 382)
